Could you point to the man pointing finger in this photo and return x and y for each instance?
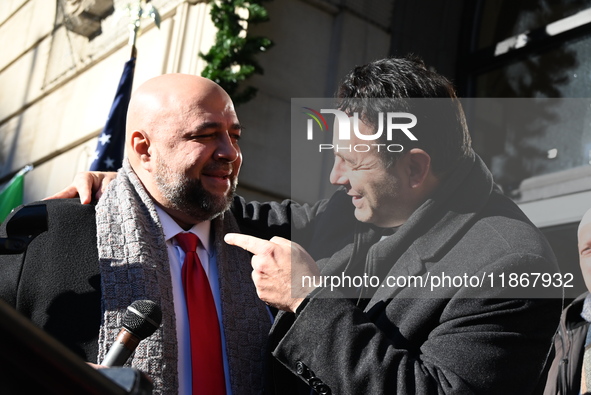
(278, 267)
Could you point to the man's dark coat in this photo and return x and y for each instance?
(417, 339)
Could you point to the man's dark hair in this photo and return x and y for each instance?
(441, 127)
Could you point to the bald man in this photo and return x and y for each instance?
(78, 277)
(570, 372)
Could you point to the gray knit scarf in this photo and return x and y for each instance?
(133, 261)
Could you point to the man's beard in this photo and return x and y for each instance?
(189, 196)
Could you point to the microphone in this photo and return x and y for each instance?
(141, 319)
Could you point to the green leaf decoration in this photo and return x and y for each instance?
(231, 59)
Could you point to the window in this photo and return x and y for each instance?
(529, 66)
(533, 49)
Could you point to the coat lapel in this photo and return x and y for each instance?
(427, 233)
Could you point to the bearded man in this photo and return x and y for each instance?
(179, 177)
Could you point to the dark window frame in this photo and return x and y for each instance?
(472, 62)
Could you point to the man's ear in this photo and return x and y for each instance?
(140, 147)
(419, 167)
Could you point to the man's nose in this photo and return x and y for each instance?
(337, 174)
(227, 149)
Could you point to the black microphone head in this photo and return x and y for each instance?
(142, 318)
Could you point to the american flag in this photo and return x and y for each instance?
(111, 142)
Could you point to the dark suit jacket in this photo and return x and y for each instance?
(56, 282)
(406, 340)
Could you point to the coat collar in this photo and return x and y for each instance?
(453, 206)
(435, 224)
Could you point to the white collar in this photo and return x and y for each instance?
(171, 229)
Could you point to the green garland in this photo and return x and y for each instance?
(231, 59)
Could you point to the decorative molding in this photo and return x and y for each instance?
(84, 16)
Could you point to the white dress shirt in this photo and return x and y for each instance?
(176, 256)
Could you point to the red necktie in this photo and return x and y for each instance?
(206, 345)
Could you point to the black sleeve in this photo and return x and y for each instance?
(269, 219)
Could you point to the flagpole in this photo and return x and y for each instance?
(134, 27)
(141, 9)
(25, 170)
(21, 172)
